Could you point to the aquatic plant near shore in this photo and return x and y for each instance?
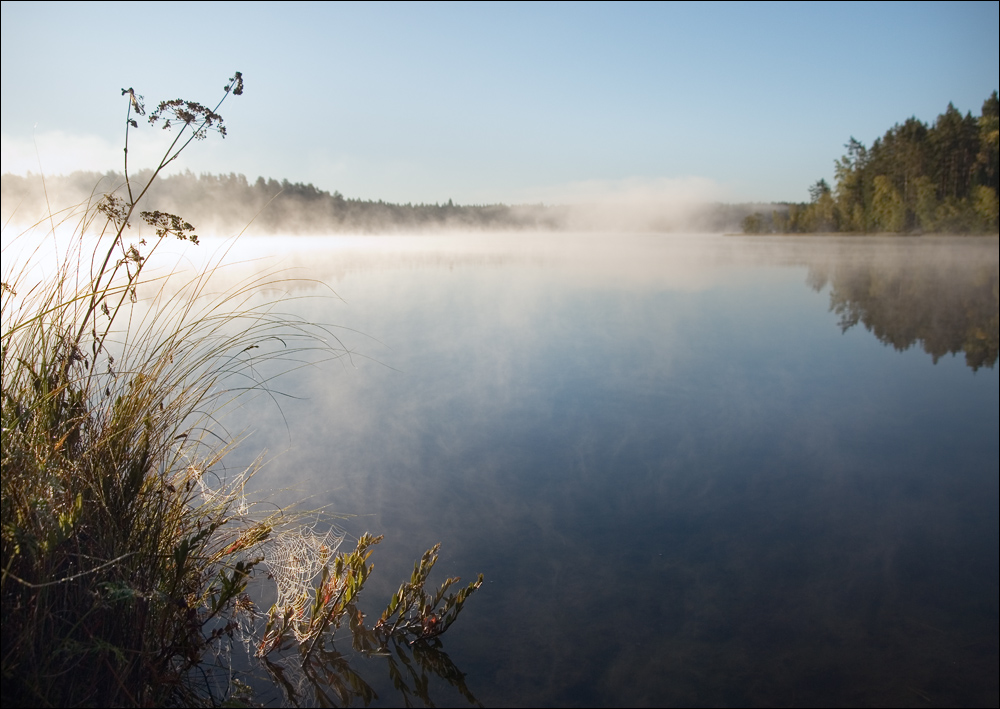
(126, 547)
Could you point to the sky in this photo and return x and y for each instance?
(495, 102)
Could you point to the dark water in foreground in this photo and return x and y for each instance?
(687, 478)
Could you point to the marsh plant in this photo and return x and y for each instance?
(128, 545)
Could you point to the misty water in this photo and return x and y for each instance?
(700, 470)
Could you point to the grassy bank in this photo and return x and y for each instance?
(127, 545)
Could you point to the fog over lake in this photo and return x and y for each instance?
(701, 470)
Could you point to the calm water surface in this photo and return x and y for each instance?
(694, 470)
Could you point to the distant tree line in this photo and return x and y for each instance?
(226, 204)
(917, 178)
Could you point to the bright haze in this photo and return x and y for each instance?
(486, 103)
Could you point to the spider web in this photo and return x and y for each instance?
(295, 561)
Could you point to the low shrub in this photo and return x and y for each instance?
(127, 547)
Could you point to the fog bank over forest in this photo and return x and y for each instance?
(226, 204)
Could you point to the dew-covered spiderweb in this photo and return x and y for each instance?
(295, 559)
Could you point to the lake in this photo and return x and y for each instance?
(694, 469)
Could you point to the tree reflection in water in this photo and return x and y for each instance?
(945, 303)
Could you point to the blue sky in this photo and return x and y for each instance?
(483, 103)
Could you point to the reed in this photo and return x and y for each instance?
(127, 547)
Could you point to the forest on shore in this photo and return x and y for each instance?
(917, 178)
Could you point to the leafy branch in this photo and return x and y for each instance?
(406, 634)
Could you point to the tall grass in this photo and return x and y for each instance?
(127, 547)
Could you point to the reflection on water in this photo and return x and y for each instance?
(948, 304)
(685, 476)
(328, 678)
